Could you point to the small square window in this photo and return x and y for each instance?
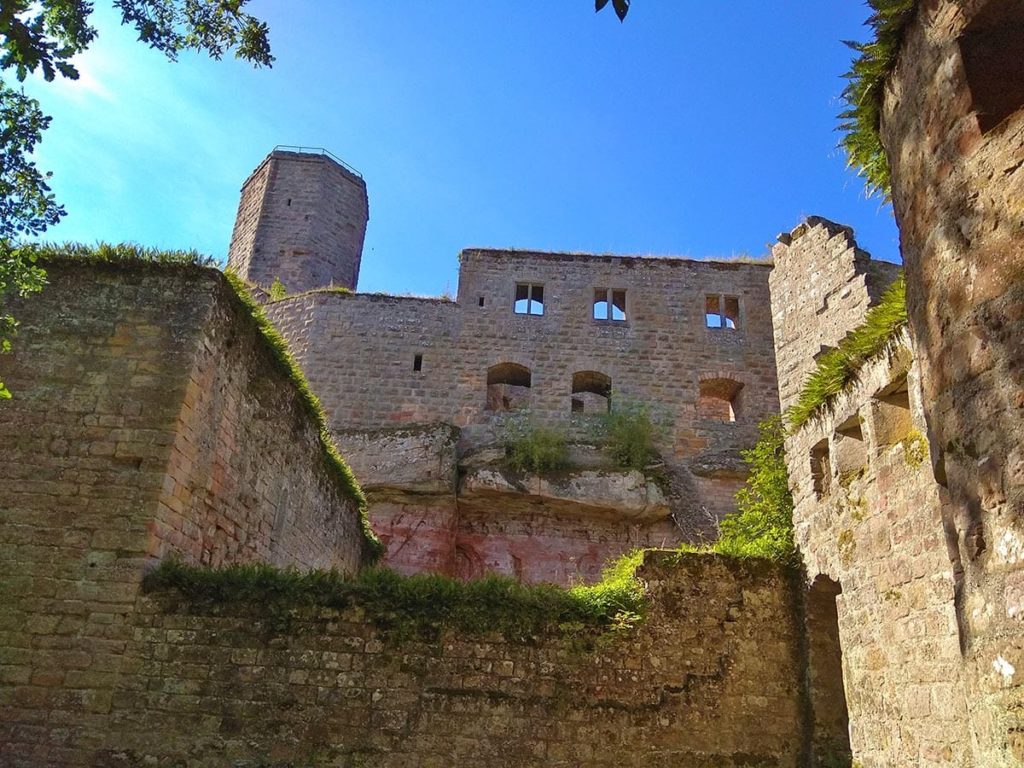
(609, 304)
(529, 299)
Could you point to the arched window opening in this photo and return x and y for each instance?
(719, 400)
(591, 392)
(508, 387)
(831, 736)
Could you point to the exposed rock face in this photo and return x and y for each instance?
(626, 495)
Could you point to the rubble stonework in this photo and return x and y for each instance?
(953, 129)
(148, 421)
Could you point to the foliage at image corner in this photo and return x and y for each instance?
(860, 122)
(838, 368)
(282, 357)
(44, 36)
(418, 607)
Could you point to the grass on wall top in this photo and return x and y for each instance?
(132, 254)
(838, 368)
(861, 120)
(421, 606)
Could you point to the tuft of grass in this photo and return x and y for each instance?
(416, 607)
(277, 290)
(116, 253)
(838, 368)
(286, 364)
(861, 120)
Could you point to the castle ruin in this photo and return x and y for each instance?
(155, 418)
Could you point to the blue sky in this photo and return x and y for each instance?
(695, 128)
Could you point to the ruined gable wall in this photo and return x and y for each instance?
(712, 678)
(957, 187)
(145, 421)
(821, 286)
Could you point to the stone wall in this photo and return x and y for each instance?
(953, 129)
(148, 418)
(821, 287)
(383, 361)
(712, 678)
(869, 519)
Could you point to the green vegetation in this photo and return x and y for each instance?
(762, 525)
(416, 607)
(863, 94)
(530, 448)
(116, 253)
(45, 36)
(629, 435)
(915, 449)
(838, 368)
(277, 290)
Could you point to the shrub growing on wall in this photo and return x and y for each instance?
(762, 525)
(532, 448)
(630, 435)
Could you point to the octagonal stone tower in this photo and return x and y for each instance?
(301, 218)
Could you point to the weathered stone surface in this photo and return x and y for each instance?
(148, 419)
(416, 459)
(958, 182)
(625, 494)
(712, 678)
(360, 350)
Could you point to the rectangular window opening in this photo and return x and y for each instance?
(731, 314)
(481, 301)
(821, 469)
(991, 48)
(529, 299)
(610, 304)
(417, 363)
(891, 414)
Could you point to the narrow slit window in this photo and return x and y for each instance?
(731, 313)
(481, 301)
(529, 299)
(610, 304)
(712, 314)
(417, 363)
(821, 469)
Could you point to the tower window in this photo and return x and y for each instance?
(417, 363)
(481, 301)
(991, 51)
(610, 304)
(722, 312)
(529, 299)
